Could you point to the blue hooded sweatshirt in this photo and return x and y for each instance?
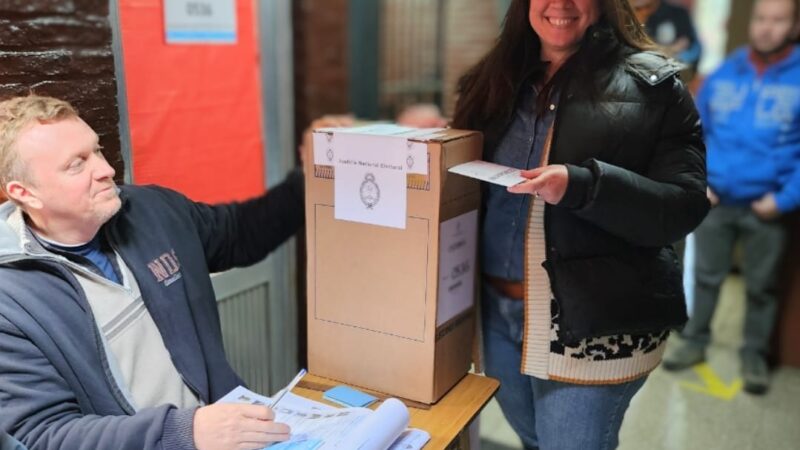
(751, 123)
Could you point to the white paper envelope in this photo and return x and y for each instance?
(489, 172)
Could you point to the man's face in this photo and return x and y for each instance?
(772, 26)
(70, 184)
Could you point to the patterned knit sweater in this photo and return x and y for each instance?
(603, 360)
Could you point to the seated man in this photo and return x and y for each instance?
(109, 331)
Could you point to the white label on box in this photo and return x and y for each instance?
(457, 256)
(200, 21)
(323, 148)
(370, 182)
(374, 129)
(416, 159)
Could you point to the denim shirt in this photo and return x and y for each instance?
(506, 214)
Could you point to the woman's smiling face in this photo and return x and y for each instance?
(561, 24)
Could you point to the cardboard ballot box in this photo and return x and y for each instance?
(391, 307)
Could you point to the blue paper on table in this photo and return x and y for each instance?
(311, 444)
(347, 396)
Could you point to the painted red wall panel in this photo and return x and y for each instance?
(194, 110)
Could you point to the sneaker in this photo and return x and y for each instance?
(755, 374)
(683, 356)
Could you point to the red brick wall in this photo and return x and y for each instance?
(320, 59)
(63, 49)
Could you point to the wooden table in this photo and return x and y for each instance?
(446, 421)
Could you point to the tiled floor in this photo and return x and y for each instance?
(701, 408)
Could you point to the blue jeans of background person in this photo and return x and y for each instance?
(549, 415)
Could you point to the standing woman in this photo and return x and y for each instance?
(580, 282)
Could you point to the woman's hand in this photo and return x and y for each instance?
(548, 182)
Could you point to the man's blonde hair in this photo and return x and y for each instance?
(18, 113)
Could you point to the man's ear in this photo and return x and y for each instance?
(22, 195)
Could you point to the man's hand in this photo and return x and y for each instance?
(422, 115)
(342, 120)
(766, 208)
(236, 426)
(712, 197)
(677, 46)
(548, 182)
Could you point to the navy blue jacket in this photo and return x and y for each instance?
(56, 389)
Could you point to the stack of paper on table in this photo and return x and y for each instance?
(316, 426)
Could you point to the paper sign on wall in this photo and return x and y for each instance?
(200, 21)
(457, 257)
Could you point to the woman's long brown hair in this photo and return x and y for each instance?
(487, 91)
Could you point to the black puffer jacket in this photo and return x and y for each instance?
(631, 139)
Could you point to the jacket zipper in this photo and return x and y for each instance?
(191, 386)
(84, 303)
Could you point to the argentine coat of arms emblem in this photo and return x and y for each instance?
(370, 191)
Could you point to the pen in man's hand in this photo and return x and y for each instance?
(289, 387)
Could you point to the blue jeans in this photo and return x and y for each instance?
(549, 415)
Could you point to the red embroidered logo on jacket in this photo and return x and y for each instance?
(166, 268)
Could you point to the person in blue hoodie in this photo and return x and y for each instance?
(109, 331)
(750, 108)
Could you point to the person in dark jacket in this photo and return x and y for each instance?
(671, 27)
(581, 283)
(109, 332)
